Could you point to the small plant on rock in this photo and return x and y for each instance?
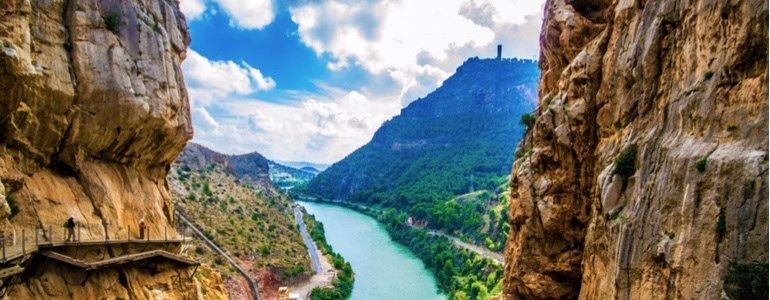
(625, 163)
(721, 226)
(112, 21)
(700, 165)
(528, 120)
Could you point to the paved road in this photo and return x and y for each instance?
(320, 262)
(483, 251)
(311, 248)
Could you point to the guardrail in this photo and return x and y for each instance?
(15, 246)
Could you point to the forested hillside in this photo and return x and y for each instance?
(459, 139)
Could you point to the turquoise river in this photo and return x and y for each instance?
(384, 269)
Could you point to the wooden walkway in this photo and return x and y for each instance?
(16, 257)
(19, 250)
(119, 260)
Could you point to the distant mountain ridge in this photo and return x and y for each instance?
(303, 164)
(251, 167)
(460, 137)
(287, 178)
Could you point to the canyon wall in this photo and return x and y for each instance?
(93, 112)
(645, 173)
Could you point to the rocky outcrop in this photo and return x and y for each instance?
(251, 168)
(93, 112)
(646, 170)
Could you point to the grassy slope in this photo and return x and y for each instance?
(253, 225)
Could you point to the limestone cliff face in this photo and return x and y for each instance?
(93, 111)
(646, 173)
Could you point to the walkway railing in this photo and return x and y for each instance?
(15, 245)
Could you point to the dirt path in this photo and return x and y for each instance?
(324, 271)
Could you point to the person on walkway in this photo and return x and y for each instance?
(142, 228)
(70, 225)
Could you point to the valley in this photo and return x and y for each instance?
(331, 150)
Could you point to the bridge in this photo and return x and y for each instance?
(19, 253)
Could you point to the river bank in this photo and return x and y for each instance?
(383, 268)
(497, 257)
(459, 271)
(324, 270)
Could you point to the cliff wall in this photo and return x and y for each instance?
(92, 114)
(646, 170)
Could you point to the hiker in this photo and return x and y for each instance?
(142, 228)
(70, 225)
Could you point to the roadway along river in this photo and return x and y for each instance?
(384, 269)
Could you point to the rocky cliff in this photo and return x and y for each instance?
(646, 169)
(251, 168)
(93, 112)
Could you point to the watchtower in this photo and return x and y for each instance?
(499, 51)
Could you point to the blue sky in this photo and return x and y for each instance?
(313, 80)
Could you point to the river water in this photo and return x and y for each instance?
(384, 269)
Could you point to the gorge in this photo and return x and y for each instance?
(628, 161)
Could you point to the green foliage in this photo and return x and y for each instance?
(458, 272)
(528, 120)
(112, 20)
(625, 163)
(342, 285)
(294, 271)
(708, 75)
(459, 138)
(12, 204)
(721, 226)
(700, 165)
(747, 280)
(207, 189)
(615, 213)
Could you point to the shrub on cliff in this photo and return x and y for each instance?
(625, 163)
(700, 165)
(747, 281)
(528, 120)
(112, 21)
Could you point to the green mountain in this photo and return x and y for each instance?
(458, 139)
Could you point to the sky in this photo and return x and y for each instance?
(309, 80)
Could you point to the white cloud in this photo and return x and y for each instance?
(192, 9)
(407, 48)
(315, 129)
(417, 43)
(211, 80)
(249, 14)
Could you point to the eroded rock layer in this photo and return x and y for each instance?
(646, 170)
(92, 113)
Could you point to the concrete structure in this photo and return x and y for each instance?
(499, 51)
